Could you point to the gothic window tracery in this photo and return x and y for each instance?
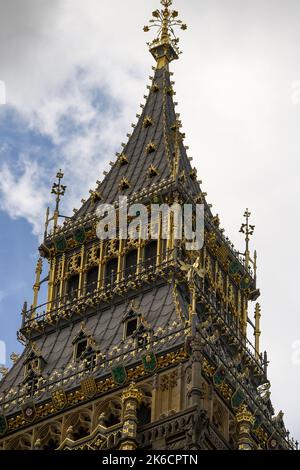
(22, 442)
(150, 254)
(110, 414)
(131, 321)
(79, 425)
(92, 279)
(85, 349)
(48, 437)
(130, 263)
(33, 366)
(111, 270)
(72, 287)
(219, 418)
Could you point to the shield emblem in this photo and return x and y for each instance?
(237, 398)
(273, 443)
(219, 375)
(60, 243)
(245, 282)
(119, 375)
(59, 399)
(3, 425)
(79, 235)
(234, 267)
(88, 387)
(149, 362)
(29, 411)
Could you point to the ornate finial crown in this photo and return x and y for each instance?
(164, 47)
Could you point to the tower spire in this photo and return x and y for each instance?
(164, 47)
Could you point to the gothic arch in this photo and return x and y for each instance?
(109, 412)
(22, 442)
(219, 417)
(78, 424)
(145, 407)
(48, 436)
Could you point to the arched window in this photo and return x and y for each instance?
(144, 408)
(48, 437)
(110, 414)
(80, 348)
(130, 263)
(79, 425)
(144, 414)
(72, 287)
(34, 364)
(150, 254)
(92, 279)
(130, 327)
(111, 271)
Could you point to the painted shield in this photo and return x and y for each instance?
(29, 411)
(119, 375)
(89, 387)
(60, 243)
(273, 443)
(3, 425)
(219, 375)
(149, 362)
(237, 398)
(79, 235)
(234, 267)
(245, 282)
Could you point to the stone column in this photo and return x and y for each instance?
(130, 398)
(196, 390)
(245, 420)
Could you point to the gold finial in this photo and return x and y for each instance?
(37, 284)
(46, 222)
(248, 230)
(59, 190)
(164, 47)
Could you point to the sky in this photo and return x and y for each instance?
(75, 73)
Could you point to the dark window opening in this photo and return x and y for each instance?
(150, 254)
(81, 348)
(131, 263)
(144, 414)
(131, 327)
(111, 420)
(72, 287)
(81, 431)
(52, 444)
(92, 279)
(111, 271)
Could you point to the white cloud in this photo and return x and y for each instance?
(22, 196)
